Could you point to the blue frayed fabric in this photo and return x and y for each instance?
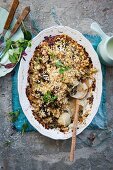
(100, 119)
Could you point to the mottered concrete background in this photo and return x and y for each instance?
(34, 151)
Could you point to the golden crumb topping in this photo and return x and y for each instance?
(60, 67)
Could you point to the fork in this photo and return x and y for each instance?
(22, 16)
(10, 17)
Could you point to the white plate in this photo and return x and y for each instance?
(17, 36)
(23, 74)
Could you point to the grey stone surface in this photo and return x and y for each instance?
(34, 151)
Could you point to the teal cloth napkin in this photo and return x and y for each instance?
(100, 119)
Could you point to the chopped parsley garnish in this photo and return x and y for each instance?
(49, 97)
(59, 64)
(62, 67)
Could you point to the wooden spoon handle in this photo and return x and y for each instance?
(20, 19)
(11, 14)
(73, 143)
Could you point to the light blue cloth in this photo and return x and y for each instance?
(99, 121)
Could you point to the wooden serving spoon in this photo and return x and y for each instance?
(74, 105)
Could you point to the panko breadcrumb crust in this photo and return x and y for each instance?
(58, 63)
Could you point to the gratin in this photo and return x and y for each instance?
(60, 67)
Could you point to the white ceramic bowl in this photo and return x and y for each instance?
(23, 74)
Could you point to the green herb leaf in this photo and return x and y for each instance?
(59, 64)
(14, 115)
(27, 35)
(21, 49)
(22, 43)
(53, 98)
(24, 127)
(49, 97)
(8, 45)
(63, 69)
(13, 58)
(29, 44)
